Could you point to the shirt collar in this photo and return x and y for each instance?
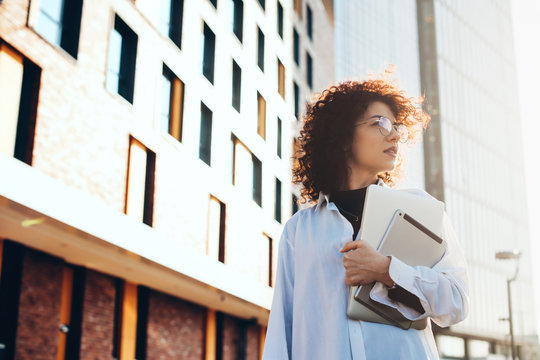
(324, 197)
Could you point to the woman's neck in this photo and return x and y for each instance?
(357, 182)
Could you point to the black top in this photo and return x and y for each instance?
(350, 204)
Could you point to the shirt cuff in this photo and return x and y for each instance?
(403, 275)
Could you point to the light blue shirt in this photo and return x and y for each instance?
(308, 318)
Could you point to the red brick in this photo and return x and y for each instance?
(39, 307)
(176, 328)
(98, 317)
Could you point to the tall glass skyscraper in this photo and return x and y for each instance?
(461, 55)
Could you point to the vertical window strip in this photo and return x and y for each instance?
(261, 115)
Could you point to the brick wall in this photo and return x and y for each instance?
(98, 317)
(176, 328)
(232, 328)
(39, 307)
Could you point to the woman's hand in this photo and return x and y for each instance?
(364, 265)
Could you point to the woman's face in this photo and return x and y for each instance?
(369, 144)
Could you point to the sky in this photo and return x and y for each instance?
(525, 14)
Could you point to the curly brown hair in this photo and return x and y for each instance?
(320, 157)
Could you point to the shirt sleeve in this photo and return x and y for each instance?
(278, 339)
(442, 289)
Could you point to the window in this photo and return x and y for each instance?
(280, 19)
(270, 262)
(205, 139)
(265, 260)
(170, 20)
(277, 202)
(281, 79)
(309, 72)
(130, 321)
(59, 22)
(12, 257)
(309, 21)
(296, 47)
(257, 180)
(209, 48)
(71, 306)
(19, 86)
(236, 86)
(140, 182)
(294, 204)
(279, 132)
(122, 56)
(172, 104)
(260, 49)
(238, 18)
(247, 171)
(215, 245)
(296, 101)
(298, 7)
(261, 116)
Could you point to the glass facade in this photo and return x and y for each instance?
(482, 157)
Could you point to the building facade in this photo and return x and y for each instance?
(145, 152)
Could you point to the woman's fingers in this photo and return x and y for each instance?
(351, 245)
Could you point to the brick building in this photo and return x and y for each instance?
(145, 163)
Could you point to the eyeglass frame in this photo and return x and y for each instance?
(394, 125)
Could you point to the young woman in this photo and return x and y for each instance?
(351, 138)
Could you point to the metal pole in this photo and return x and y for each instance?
(508, 282)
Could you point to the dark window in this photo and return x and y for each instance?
(277, 202)
(279, 131)
(236, 86)
(280, 19)
(309, 70)
(209, 49)
(270, 254)
(205, 142)
(260, 49)
(172, 104)
(294, 204)
(142, 321)
(296, 101)
(59, 22)
(238, 18)
(141, 170)
(122, 57)
(257, 180)
(12, 257)
(296, 47)
(71, 311)
(309, 21)
(19, 108)
(216, 229)
(170, 20)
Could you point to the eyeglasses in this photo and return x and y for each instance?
(386, 125)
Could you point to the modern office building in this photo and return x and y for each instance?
(145, 171)
(461, 55)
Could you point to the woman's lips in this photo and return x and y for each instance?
(391, 153)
